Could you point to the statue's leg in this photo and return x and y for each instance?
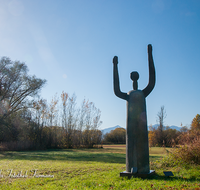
(143, 147)
(131, 152)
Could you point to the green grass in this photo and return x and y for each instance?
(89, 169)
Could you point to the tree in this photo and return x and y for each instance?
(117, 136)
(196, 123)
(171, 135)
(53, 111)
(64, 98)
(152, 136)
(81, 122)
(70, 117)
(16, 87)
(159, 132)
(92, 122)
(187, 136)
(17, 90)
(160, 118)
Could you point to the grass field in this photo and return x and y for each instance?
(157, 151)
(87, 169)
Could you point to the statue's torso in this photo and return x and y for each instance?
(136, 115)
(136, 105)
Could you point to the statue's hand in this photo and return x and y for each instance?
(149, 48)
(115, 60)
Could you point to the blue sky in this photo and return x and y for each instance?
(71, 43)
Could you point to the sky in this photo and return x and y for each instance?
(71, 44)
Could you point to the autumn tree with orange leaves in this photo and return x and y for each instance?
(196, 123)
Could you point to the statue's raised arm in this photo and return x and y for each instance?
(117, 90)
(152, 75)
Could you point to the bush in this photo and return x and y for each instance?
(189, 153)
(16, 146)
(184, 155)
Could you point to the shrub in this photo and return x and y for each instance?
(184, 155)
(189, 153)
(16, 146)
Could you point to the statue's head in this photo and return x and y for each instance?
(134, 77)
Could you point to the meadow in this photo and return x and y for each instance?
(96, 168)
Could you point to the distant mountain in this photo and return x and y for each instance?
(171, 127)
(175, 127)
(107, 130)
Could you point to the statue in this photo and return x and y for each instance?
(137, 146)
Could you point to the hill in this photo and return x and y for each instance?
(171, 127)
(107, 130)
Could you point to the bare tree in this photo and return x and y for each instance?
(71, 118)
(53, 111)
(81, 122)
(92, 122)
(64, 98)
(160, 118)
(160, 135)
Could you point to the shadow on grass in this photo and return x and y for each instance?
(63, 155)
(67, 155)
(171, 178)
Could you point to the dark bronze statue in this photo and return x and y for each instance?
(137, 146)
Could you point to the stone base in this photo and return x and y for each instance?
(142, 175)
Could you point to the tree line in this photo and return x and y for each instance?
(160, 136)
(165, 137)
(30, 122)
